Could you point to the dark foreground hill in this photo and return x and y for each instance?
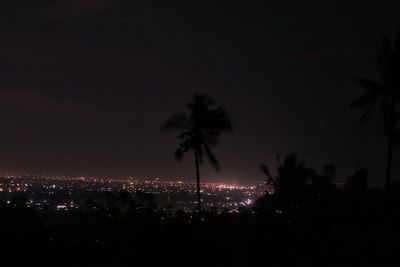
(325, 226)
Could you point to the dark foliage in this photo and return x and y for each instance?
(384, 95)
(307, 221)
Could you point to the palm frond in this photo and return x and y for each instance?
(210, 137)
(200, 101)
(200, 127)
(366, 100)
(367, 113)
(385, 109)
(397, 41)
(185, 135)
(183, 147)
(223, 121)
(211, 157)
(178, 121)
(265, 170)
(370, 85)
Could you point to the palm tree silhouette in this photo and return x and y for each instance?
(385, 94)
(199, 129)
(293, 175)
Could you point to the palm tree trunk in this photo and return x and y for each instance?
(199, 206)
(390, 145)
(389, 163)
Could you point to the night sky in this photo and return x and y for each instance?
(86, 85)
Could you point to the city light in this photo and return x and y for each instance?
(64, 193)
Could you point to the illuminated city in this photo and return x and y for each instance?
(68, 193)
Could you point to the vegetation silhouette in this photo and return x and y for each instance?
(386, 94)
(330, 225)
(305, 220)
(199, 130)
(293, 182)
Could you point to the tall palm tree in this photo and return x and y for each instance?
(199, 129)
(386, 95)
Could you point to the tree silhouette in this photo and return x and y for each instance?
(385, 94)
(356, 185)
(291, 180)
(199, 129)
